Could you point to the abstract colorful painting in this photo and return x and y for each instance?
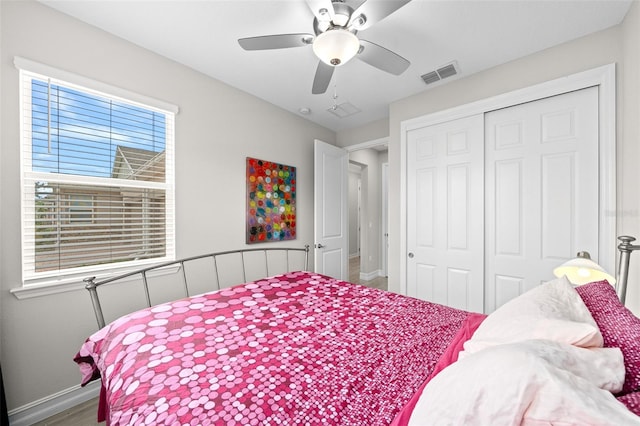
(271, 201)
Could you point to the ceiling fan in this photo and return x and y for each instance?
(335, 25)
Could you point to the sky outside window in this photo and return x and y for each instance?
(77, 133)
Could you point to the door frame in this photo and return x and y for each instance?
(605, 78)
(384, 257)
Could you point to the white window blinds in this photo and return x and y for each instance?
(98, 180)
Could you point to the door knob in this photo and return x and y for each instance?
(410, 255)
(319, 245)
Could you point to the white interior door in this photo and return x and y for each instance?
(445, 213)
(331, 231)
(542, 190)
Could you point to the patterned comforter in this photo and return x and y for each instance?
(294, 349)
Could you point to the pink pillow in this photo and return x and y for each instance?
(631, 401)
(619, 327)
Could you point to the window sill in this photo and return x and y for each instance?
(73, 284)
(27, 292)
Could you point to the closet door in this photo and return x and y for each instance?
(541, 190)
(445, 219)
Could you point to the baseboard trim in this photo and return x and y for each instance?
(48, 406)
(368, 276)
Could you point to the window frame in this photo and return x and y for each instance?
(68, 278)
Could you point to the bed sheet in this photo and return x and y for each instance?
(299, 348)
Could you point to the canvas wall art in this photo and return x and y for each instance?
(271, 201)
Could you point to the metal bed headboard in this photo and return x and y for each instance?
(625, 248)
(93, 284)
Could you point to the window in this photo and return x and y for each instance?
(80, 208)
(97, 180)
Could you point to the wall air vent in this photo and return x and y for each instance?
(441, 73)
(344, 110)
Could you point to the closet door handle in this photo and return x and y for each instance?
(410, 255)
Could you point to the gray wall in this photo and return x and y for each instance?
(40, 335)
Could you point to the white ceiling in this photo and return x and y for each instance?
(478, 34)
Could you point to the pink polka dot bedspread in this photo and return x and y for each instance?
(295, 349)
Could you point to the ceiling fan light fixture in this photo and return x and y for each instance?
(336, 46)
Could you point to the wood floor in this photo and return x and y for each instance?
(85, 414)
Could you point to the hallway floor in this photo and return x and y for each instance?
(354, 276)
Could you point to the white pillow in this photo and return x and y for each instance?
(552, 311)
(536, 382)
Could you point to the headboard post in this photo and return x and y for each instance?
(625, 247)
(93, 292)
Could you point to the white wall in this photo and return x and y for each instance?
(619, 45)
(41, 335)
(369, 132)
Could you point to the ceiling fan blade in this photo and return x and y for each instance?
(278, 41)
(317, 5)
(322, 79)
(382, 58)
(374, 11)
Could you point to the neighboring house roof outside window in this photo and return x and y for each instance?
(138, 164)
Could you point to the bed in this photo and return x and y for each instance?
(300, 348)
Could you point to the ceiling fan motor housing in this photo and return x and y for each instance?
(341, 16)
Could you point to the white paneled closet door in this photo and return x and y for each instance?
(445, 213)
(541, 190)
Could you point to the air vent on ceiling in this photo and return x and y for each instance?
(344, 110)
(430, 77)
(443, 72)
